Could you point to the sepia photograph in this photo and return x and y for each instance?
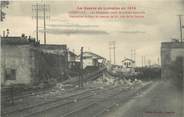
(92, 58)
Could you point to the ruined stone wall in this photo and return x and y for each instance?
(48, 66)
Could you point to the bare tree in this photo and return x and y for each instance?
(3, 4)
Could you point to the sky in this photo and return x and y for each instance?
(160, 24)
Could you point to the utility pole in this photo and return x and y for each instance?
(81, 69)
(181, 36)
(142, 61)
(112, 46)
(158, 60)
(110, 52)
(41, 10)
(37, 22)
(134, 53)
(44, 22)
(131, 54)
(149, 63)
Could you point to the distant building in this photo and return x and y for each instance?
(92, 59)
(72, 56)
(128, 63)
(25, 61)
(127, 67)
(73, 64)
(172, 60)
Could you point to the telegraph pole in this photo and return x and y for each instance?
(44, 23)
(134, 55)
(110, 52)
(131, 54)
(37, 22)
(114, 48)
(158, 60)
(81, 69)
(41, 10)
(181, 36)
(112, 45)
(142, 61)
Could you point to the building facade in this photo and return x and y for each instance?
(128, 63)
(172, 60)
(92, 59)
(25, 61)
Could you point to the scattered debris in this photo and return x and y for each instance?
(60, 86)
(108, 80)
(75, 100)
(57, 90)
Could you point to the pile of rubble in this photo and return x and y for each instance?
(115, 81)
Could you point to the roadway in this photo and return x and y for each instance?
(160, 100)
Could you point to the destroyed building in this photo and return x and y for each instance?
(25, 61)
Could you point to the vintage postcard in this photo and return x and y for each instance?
(92, 58)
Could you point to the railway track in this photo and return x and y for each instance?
(7, 99)
(44, 106)
(77, 111)
(96, 107)
(117, 100)
(99, 107)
